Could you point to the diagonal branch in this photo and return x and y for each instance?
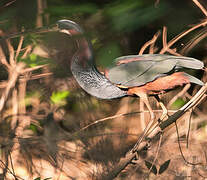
(154, 134)
(201, 7)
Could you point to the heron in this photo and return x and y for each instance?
(132, 75)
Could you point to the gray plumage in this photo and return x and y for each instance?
(143, 69)
(146, 68)
(86, 74)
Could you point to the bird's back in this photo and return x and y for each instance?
(135, 70)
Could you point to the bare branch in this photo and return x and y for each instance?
(155, 134)
(14, 108)
(173, 52)
(148, 43)
(19, 47)
(13, 76)
(180, 94)
(33, 68)
(178, 37)
(38, 76)
(27, 51)
(194, 41)
(3, 59)
(200, 6)
(11, 53)
(164, 37)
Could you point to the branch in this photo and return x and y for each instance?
(155, 134)
(148, 43)
(178, 37)
(13, 77)
(201, 7)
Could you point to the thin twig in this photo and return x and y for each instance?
(14, 108)
(152, 48)
(9, 170)
(142, 115)
(194, 41)
(33, 68)
(178, 37)
(157, 152)
(200, 6)
(180, 94)
(178, 136)
(119, 115)
(11, 53)
(189, 128)
(22, 93)
(27, 51)
(164, 42)
(173, 52)
(164, 36)
(9, 3)
(196, 98)
(38, 76)
(19, 47)
(107, 118)
(3, 58)
(148, 43)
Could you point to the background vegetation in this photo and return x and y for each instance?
(45, 117)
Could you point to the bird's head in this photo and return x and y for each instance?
(70, 27)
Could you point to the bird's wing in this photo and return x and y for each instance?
(135, 70)
(193, 79)
(138, 73)
(182, 61)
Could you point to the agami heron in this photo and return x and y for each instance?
(134, 75)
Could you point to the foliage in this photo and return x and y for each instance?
(123, 14)
(34, 60)
(178, 103)
(59, 98)
(153, 168)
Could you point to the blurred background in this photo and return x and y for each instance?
(48, 136)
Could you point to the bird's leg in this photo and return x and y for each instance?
(164, 109)
(144, 98)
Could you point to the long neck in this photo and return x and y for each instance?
(88, 77)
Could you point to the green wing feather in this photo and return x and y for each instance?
(138, 70)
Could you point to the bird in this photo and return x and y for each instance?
(132, 75)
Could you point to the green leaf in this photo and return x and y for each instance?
(164, 166)
(59, 98)
(149, 165)
(178, 103)
(33, 57)
(34, 60)
(33, 127)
